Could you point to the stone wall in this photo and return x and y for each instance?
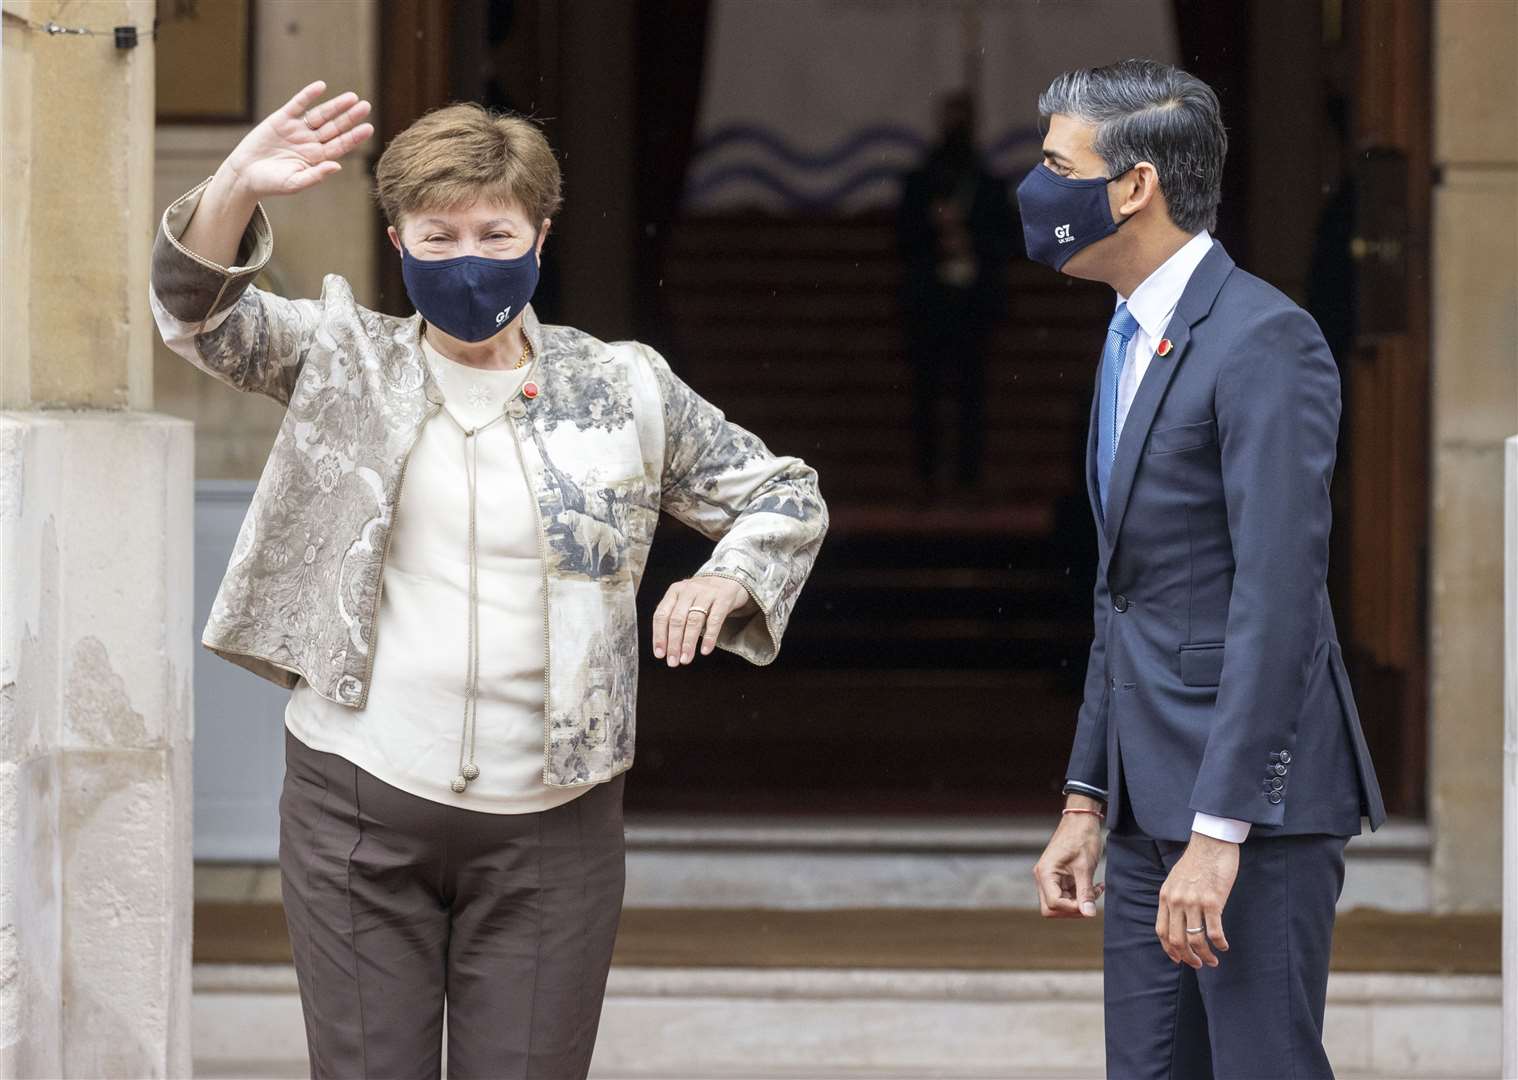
(1474, 408)
(1510, 781)
(95, 513)
(95, 712)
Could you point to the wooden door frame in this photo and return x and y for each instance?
(1389, 45)
(415, 49)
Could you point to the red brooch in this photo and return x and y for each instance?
(529, 390)
(1164, 349)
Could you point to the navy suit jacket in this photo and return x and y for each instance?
(1216, 682)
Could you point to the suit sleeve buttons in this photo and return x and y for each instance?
(1275, 772)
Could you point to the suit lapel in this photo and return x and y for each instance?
(1206, 281)
(1130, 447)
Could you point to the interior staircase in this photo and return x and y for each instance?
(934, 661)
(794, 327)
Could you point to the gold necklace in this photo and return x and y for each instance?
(526, 355)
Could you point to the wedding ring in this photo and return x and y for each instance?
(1196, 930)
(309, 124)
(703, 611)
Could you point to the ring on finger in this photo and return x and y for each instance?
(309, 124)
(1196, 929)
(703, 612)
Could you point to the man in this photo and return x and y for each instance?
(954, 227)
(1218, 733)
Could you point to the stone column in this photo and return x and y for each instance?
(1510, 784)
(1474, 409)
(95, 588)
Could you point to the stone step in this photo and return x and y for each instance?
(798, 862)
(791, 862)
(1366, 941)
(685, 1023)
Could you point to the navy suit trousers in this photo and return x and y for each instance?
(1259, 1013)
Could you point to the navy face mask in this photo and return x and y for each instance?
(470, 297)
(1063, 215)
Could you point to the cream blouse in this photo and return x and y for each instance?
(409, 733)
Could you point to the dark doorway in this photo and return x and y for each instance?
(935, 660)
(934, 663)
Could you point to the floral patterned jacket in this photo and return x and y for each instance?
(612, 438)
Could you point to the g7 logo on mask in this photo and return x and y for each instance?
(1062, 234)
(502, 315)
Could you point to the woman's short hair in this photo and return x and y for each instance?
(459, 154)
(1147, 111)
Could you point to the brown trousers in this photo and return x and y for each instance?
(398, 904)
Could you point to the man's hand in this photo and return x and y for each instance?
(1193, 898)
(694, 605)
(1065, 870)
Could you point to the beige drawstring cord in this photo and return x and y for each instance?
(468, 769)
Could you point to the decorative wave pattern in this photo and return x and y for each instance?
(748, 166)
(753, 175)
(871, 137)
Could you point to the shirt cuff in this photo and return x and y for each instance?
(1221, 828)
(1075, 787)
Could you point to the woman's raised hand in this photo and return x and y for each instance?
(298, 146)
(294, 148)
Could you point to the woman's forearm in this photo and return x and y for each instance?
(216, 229)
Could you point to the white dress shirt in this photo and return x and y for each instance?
(1152, 305)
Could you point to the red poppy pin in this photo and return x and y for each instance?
(530, 390)
(1164, 349)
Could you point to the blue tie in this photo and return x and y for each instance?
(1119, 331)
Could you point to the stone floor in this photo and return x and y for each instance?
(892, 1024)
(794, 970)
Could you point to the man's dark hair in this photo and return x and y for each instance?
(1147, 111)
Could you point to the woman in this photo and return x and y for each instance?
(441, 561)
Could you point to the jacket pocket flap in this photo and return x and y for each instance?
(1201, 665)
(1184, 437)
